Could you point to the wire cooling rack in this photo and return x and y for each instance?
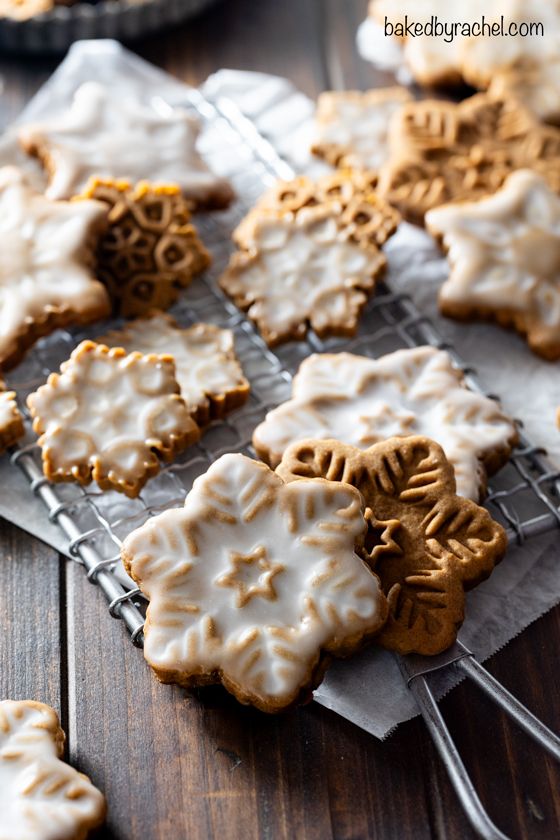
(524, 495)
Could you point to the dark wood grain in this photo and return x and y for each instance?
(200, 766)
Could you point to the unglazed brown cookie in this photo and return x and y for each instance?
(442, 152)
(255, 583)
(504, 255)
(41, 797)
(310, 256)
(206, 367)
(426, 543)
(107, 416)
(151, 250)
(46, 277)
(11, 421)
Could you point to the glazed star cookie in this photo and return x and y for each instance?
(427, 544)
(41, 797)
(151, 250)
(110, 137)
(352, 126)
(46, 280)
(11, 421)
(310, 257)
(504, 255)
(107, 415)
(361, 401)
(255, 583)
(442, 152)
(206, 367)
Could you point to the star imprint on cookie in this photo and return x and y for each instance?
(46, 279)
(206, 367)
(41, 797)
(288, 552)
(362, 401)
(107, 416)
(110, 136)
(504, 255)
(426, 544)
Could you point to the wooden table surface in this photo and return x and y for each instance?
(175, 766)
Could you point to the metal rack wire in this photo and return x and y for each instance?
(524, 495)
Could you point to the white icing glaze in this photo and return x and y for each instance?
(302, 268)
(8, 410)
(361, 401)
(535, 84)
(253, 578)
(357, 124)
(504, 252)
(106, 136)
(41, 797)
(44, 248)
(204, 355)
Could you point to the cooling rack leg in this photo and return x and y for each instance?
(456, 770)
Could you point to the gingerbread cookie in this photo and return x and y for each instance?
(362, 401)
(255, 583)
(504, 254)
(107, 416)
(426, 543)
(352, 126)
(11, 421)
(310, 256)
(46, 279)
(110, 137)
(151, 250)
(41, 797)
(442, 152)
(206, 367)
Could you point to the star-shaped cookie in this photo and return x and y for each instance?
(46, 279)
(504, 255)
(111, 136)
(362, 401)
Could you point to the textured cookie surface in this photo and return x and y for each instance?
(362, 401)
(46, 279)
(206, 367)
(107, 415)
(151, 250)
(252, 581)
(11, 421)
(426, 543)
(504, 254)
(41, 797)
(110, 137)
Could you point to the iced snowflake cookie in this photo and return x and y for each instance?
(107, 416)
(151, 250)
(110, 137)
(352, 126)
(310, 256)
(504, 255)
(442, 152)
(11, 421)
(41, 797)
(426, 544)
(362, 401)
(46, 279)
(255, 583)
(206, 367)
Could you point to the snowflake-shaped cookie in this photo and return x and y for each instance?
(362, 401)
(426, 544)
(41, 797)
(11, 421)
(107, 415)
(504, 255)
(111, 136)
(253, 582)
(45, 268)
(443, 151)
(206, 367)
(352, 126)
